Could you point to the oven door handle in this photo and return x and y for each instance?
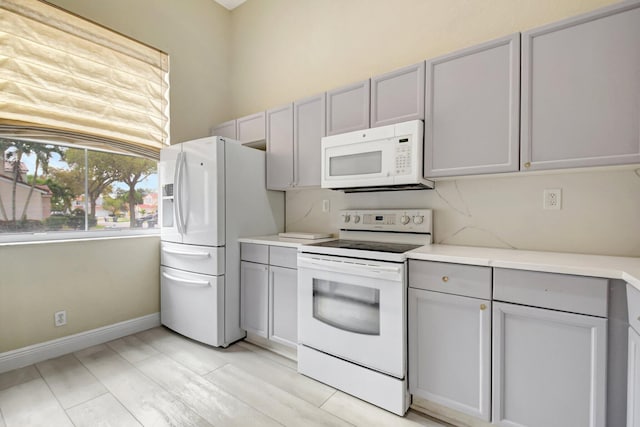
(349, 267)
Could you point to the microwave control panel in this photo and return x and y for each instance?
(403, 156)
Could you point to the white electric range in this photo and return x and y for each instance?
(352, 304)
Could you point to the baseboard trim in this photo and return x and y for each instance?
(29, 355)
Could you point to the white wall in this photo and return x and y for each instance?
(283, 50)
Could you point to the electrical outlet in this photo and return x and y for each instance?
(60, 317)
(325, 205)
(552, 198)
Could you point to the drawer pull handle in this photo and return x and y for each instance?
(483, 306)
(527, 165)
(445, 278)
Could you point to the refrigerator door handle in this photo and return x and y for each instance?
(191, 283)
(178, 193)
(184, 197)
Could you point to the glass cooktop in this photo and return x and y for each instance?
(396, 248)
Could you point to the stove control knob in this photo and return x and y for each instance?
(356, 219)
(418, 219)
(346, 218)
(404, 219)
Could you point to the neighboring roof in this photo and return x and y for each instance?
(42, 188)
(8, 167)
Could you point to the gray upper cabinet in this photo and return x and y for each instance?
(581, 91)
(472, 110)
(251, 128)
(309, 126)
(398, 96)
(280, 148)
(226, 129)
(348, 108)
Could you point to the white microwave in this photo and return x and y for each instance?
(377, 159)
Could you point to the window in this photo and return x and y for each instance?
(85, 113)
(58, 190)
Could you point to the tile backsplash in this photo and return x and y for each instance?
(600, 210)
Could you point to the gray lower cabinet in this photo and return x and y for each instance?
(269, 292)
(348, 108)
(283, 305)
(254, 297)
(398, 96)
(280, 148)
(450, 335)
(472, 119)
(633, 361)
(633, 380)
(450, 351)
(581, 91)
(549, 349)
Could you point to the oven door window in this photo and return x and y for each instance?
(347, 307)
(356, 164)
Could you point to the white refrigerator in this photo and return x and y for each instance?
(213, 192)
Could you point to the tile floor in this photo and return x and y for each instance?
(159, 378)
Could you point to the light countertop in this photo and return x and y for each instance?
(611, 267)
(276, 240)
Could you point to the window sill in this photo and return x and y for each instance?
(74, 236)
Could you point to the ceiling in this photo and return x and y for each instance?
(230, 4)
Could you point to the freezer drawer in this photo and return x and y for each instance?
(193, 305)
(198, 259)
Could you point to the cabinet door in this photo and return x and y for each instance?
(549, 368)
(398, 96)
(280, 148)
(348, 108)
(472, 110)
(581, 91)
(633, 380)
(251, 128)
(283, 305)
(254, 297)
(308, 129)
(450, 351)
(226, 129)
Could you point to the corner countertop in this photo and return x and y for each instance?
(276, 240)
(611, 267)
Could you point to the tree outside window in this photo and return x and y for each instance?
(48, 187)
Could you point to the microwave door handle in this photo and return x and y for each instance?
(176, 193)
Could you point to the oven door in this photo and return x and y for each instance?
(354, 309)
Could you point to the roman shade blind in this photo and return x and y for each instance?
(67, 79)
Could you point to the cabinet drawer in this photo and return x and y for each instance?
(254, 253)
(283, 257)
(576, 294)
(633, 301)
(458, 279)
